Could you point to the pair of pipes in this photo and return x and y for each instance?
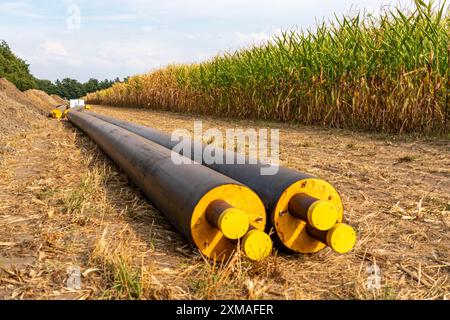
(61, 111)
(215, 204)
(213, 211)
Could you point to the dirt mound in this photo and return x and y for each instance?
(17, 111)
(59, 100)
(42, 99)
(15, 94)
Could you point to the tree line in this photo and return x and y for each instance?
(71, 88)
(17, 71)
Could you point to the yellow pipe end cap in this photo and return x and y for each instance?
(234, 223)
(57, 114)
(88, 107)
(341, 238)
(257, 245)
(322, 215)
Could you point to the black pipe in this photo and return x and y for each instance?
(182, 192)
(275, 191)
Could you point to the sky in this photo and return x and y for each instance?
(101, 39)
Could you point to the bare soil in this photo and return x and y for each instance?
(64, 204)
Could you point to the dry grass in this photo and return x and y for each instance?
(73, 207)
(17, 112)
(58, 99)
(42, 99)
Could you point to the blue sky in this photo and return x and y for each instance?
(127, 37)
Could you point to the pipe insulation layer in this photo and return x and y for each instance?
(208, 208)
(295, 202)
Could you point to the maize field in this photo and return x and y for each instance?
(388, 73)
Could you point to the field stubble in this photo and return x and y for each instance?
(73, 207)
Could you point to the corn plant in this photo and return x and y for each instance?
(388, 73)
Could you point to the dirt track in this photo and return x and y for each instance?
(64, 204)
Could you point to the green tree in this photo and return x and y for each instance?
(71, 89)
(47, 86)
(15, 69)
(105, 84)
(91, 86)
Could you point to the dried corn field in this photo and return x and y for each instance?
(387, 74)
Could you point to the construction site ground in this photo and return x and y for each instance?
(65, 206)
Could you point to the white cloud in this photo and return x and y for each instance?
(112, 17)
(125, 37)
(251, 38)
(53, 49)
(148, 28)
(18, 9)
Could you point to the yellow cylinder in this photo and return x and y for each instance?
(211, 239)
(256, 245)
(233, 223)
(341, 238)
(291, 230)
(56, 114)
(321, 214)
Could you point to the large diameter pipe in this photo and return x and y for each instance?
(204, 205)
(58, 112)
(293, 200)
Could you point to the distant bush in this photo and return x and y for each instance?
(17, 71)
